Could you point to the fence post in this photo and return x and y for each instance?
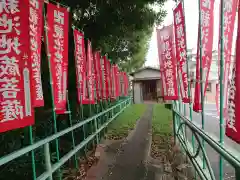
(71, 124)
(237, 173)
(221, 78)
(201, 76)
(32, 153)
(48, 160)
(174, 126)
(96, 128)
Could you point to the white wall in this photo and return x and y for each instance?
(137, 93)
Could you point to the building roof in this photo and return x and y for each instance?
(145, 68)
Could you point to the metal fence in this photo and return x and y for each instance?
(194, 141)
(53, 170)
(213, 155)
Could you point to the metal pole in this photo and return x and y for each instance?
(201, 76)
(221, 122)
(84, 126)
(52, 94)
(101, 118)
(179, 102)
(32, 153)
(109, 105)
(174, 126)
(91, 123)
(98, 119)
(189, 84)
(96, 128)
(106, 107)
(48, 160)
(237, 173)
(72, 132)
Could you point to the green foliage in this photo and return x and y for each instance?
(119, 28)
(162, 121)
(126, 121)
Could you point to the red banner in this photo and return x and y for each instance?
(125, 81)
(57, 34)
(121, 83)
(106, 83)
(110, 79)
(97, 74)
(159, 46)
(90, 74)
(80, 63)
(113, 82)
(167, 62)
(163, 89)
(36, 26)
(207, 19)
(103, 92)
(233, 120)
(181, 53)
(15, 75)
(101, 78)
(116, 82)
(228, 26)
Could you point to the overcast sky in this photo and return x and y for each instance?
(191, 13)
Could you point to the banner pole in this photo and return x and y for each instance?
(102, 117)
(84, 126)
(91, 123)
(81, 106)
(221, 123)
(189, 83)
(52, 94)
(32, 153)
(97, 123)
(72, 132)
(201, 75)
(106, 116)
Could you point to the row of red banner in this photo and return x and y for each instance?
(20, 63)
(228, 28)
(93, 68)
(232, 85)
(172, 52)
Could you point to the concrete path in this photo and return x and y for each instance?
(130, 161)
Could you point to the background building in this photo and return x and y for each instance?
(146, 84)
(213, 74)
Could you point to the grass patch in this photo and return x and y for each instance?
(125, 122)
(162, 121)
(163, 147)
(162, 132)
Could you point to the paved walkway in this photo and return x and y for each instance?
(129, 163)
